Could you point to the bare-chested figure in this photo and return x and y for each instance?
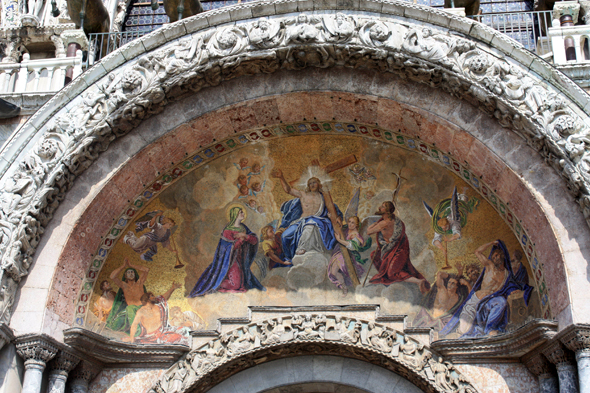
(494, 277)
(307, 218)
(150, 325)
(128, 298)
(446, 296)
(392, 256)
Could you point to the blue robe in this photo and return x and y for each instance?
(292, 211)
(216, 272)
(492, 312)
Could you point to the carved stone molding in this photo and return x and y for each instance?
(101, 105)
(36, 349)
(111, 353)
(576, 337)
(502, 348)
(292, 334)
(6, 335)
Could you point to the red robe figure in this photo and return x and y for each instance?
(392, 256)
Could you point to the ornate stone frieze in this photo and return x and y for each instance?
(311, 332)
(506, 347)
(109, 353)
(72, 139)
(36, 348)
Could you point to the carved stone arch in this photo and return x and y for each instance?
(465, 59)
(306, 334)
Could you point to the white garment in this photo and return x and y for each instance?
(455, 228)
(468, 314)
(311, 240)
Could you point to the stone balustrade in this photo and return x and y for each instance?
(38, 76)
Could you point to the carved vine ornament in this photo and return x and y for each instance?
(143, 87)
(236, 350)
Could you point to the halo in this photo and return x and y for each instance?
(317, 172)
(231, 206)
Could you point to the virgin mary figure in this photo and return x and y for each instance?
(230, 269)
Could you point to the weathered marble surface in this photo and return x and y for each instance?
(501, 378)
(124, 380)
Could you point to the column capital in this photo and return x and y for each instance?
(85, 371)
(64, 362)
(36, 349)
(558, 354)
(576, 338)
(75, 36)
(537, 363)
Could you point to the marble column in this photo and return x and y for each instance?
(59, 368)
(81, 376)
(36, 350)
(577, 339)
(565, 364)
(538, 364)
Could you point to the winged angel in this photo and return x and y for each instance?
(449, 216)
(161, 229)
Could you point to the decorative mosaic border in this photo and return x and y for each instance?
(218, 149)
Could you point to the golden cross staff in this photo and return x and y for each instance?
(178, 263)
(395, 191)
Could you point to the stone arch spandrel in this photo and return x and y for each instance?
(202, 130)
(127, 103)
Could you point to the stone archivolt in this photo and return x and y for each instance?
(461, 66)
(318, 333)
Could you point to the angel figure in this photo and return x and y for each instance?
(303, 29)
(265, 33)
(448, 218)
(161, 230)
(341, 27)
(355, 244)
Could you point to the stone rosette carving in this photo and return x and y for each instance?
(34, 187)
(207, 365)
